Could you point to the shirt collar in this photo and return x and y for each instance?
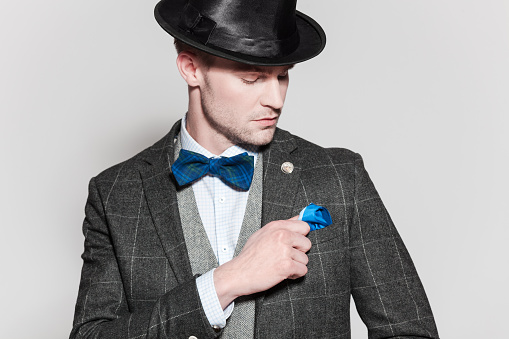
(188, 143)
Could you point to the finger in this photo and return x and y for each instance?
(299, 270)
(300, 243)
(298, 226)
(299, 257)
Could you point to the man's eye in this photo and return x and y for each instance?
(248, 81)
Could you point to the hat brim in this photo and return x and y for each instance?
(312, 41)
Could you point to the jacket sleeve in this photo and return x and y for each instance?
(387, 291)
(102, 309)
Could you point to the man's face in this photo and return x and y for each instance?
(241, 103)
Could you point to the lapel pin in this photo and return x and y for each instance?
(287, 167)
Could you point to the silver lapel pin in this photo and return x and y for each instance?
(287, 167)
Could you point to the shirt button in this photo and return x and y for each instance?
(225, 249)
(222, 199)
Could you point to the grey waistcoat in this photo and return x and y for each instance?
(240, 325)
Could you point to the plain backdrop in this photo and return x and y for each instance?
(419, 88)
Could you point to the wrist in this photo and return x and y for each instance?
(225, 282)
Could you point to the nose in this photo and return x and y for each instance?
(273, 95)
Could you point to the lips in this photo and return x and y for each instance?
(269, 121)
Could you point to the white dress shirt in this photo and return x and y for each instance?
(221, 209)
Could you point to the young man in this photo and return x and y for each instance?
(198, 235)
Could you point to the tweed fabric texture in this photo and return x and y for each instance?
(236, 171)
(137, 280)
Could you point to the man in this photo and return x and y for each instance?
(175, 247)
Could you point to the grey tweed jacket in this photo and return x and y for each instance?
(137, 282)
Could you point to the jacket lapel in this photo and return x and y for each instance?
(159, 187)
(279, 187)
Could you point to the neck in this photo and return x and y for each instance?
(200, 129)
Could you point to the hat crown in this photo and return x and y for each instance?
(267, 20)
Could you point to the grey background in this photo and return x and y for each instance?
(419, 88)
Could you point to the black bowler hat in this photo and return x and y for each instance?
(257, 32)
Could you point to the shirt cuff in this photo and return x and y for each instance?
(210, 302)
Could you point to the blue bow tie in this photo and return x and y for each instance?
(236, 171)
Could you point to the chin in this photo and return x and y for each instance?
(264, 138)
(255, 138)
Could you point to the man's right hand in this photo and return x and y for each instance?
(272, 254)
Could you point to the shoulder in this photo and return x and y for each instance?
(324, 171)
(129, 170)
(311, 154)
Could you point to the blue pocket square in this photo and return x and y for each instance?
(316, 216)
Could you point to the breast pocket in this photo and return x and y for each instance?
(328, 267)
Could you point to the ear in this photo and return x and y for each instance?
(188, 65)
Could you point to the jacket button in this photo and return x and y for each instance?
(216, 328)
(192, 337)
